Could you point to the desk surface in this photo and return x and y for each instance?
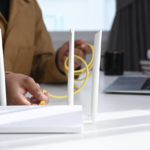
(123, 122)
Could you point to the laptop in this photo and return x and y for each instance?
(140, 85)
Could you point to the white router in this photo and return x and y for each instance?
(50, 119)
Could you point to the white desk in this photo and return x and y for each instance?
(123, 123)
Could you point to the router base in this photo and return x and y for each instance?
(41, 119)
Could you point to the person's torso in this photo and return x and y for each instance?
(18, 35)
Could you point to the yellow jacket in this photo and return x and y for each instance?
(27, 45)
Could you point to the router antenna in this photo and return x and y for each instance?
(2, 75)
(95, 78)
(71, 69)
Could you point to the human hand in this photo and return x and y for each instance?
(17, 85)
(63, 52)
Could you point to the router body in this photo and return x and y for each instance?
(41, 119)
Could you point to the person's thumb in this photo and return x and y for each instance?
(31, 86)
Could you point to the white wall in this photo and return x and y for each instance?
(82, 15)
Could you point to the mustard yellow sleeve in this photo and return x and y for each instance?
(44, 68)
(8, 72)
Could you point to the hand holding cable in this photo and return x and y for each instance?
(77, 73)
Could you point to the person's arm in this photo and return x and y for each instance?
(44, 67)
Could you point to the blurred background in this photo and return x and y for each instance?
(82, 15)
(85, 16)
(125, 25)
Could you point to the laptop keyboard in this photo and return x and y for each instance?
(146, 85)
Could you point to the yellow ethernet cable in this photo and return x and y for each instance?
(42, 101)
(76, 73)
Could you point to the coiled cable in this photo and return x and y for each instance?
(76, 73)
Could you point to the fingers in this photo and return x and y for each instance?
(79, 42)
(22, 100)
(15, 92)
(34, 101)
(63, 51)
(32, 87)
(77, 61)
(78, 52)
(17, 85)
(47, 95)
(86, 48)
